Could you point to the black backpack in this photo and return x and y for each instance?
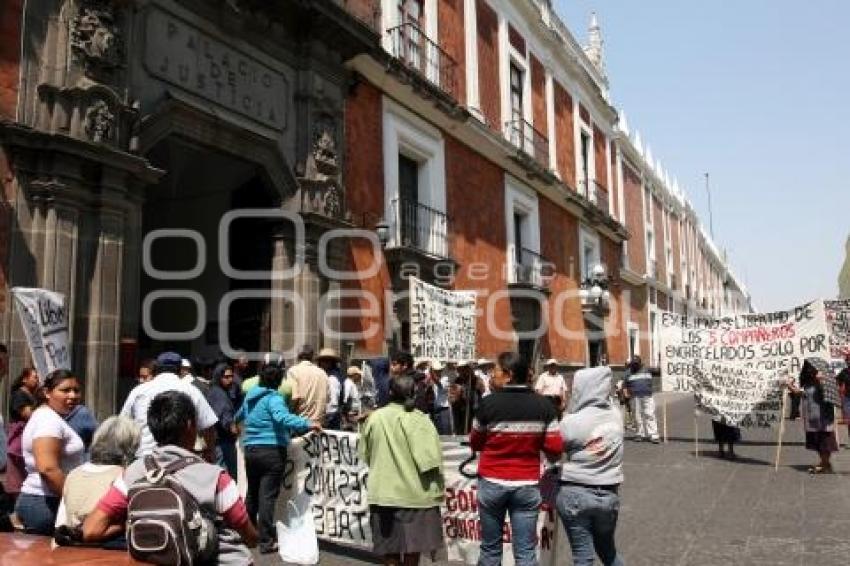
(165, 524)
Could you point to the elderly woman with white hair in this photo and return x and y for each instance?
(113, 447)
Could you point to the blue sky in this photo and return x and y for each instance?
(755, 92)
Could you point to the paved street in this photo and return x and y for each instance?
(679, 509)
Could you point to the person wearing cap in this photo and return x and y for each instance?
(309, 386)
(186, 371)
(552, 385)
(328, 360)
(167, 379)
(638, 383)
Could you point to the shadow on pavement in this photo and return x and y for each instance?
(715, 455)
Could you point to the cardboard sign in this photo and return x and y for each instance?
(442, 323)
(44, 317)
(773, 342)
(743, 397)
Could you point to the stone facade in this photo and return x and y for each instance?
(122, 117)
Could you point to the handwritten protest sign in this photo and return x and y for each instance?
(838, 324)
(325, 470)
(442, 323)
(774, 342)
(744, 397)
(44, 317)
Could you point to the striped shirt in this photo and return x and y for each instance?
(512, 427)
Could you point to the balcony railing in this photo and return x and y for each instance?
(530, 268)
(595, 193)
(525, 137)
(420, 227)
(367, 11)
(418, 52)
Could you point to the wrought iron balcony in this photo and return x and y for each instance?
(526, 138)
(420, 227)
(595, 193)
(418, 52)
(530, 268)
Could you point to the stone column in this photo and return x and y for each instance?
(99, 314)
(280, 318)
(307, 287)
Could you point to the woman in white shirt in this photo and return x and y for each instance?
(51, 449)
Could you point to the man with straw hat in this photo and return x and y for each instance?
(328, 360)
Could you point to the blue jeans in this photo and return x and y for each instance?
(590, 519)
(522, 504)
(37, 513)
(225, 455)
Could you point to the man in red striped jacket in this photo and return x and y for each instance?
(513, 426)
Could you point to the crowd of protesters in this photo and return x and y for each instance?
(74, 480)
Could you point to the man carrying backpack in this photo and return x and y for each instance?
(178, 509)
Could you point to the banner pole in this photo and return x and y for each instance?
(781, 429)
(696, 435)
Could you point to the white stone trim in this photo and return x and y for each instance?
(470, 26)
(520, 198)
(591, 237)
(550, 122)
(411, 136)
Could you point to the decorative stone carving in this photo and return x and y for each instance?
(320, 184)
(96, 36)
(324, 150)
(333, 202)
(99, 122)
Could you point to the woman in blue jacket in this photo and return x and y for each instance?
(267, 430)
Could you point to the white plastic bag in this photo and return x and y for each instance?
(296, 539)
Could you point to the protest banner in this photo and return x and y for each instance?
(838, 325)
(774, 342)
(325, 468)
(743, 397)
(442, 323)
(44, 317)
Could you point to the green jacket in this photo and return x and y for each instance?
(405, 459)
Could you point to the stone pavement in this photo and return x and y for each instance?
(680, 509)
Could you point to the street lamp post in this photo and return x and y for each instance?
(382, 230)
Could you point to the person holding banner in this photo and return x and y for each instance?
(818, 413)
(51, 449)
(268, 428)
(405, 485)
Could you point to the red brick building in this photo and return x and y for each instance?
(478, 135)
(483, 136)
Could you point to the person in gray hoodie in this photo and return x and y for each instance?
(588, 501)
